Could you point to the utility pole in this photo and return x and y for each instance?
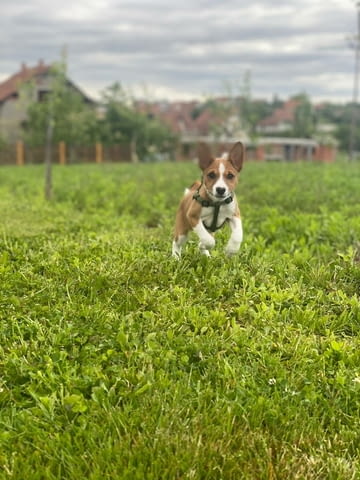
(355, 89)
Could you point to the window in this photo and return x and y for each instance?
(42, 95)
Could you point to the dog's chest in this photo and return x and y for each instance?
(225, 212)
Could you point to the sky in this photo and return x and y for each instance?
(189, 48)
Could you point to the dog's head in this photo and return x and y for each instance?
(220, 175)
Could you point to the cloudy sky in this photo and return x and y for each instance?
(187, 48)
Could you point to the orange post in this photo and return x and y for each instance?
(260, 153)
(20, 153)
(62, 153)
(99, 152)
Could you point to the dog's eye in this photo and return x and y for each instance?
(212, 175)
(230, 176)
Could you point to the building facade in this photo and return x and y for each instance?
(15, 98)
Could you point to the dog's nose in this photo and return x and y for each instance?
(220, 190)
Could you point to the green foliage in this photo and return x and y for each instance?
(73, 119)
(233, 114)
(3, 143)
(340, 116)
(343, 129)
(123, 123)
(239, 113)
(250, 112)
(304, 121)
(76, 123)
(120, 362)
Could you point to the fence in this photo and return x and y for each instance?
(21, 154)
(266, 148)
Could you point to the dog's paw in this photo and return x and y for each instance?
(207, 242)
(176, 250)
(176, 255)
(232, 248)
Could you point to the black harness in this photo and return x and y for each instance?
(216, 206)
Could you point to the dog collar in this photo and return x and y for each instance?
(209, 203)
(216, 205)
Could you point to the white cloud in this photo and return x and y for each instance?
(188, 48)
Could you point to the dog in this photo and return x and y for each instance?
(211, 203)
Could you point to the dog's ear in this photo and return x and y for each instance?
(236, 155)
(204, 155)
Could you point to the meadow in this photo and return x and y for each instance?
(119, 362)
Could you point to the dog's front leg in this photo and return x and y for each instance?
(236, 236)
(178, 242)
(207, 241)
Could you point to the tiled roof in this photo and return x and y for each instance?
(197, 118)
(181, 117)
(11, 86)
(285, 114)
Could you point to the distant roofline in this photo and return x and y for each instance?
(11, 85)
(305, 142)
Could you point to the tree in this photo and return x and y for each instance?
(74, 120)
(343, 131)
(124, 123)
(247, 113)
(238, 113)
(63, 115)
(304, 121)
(3, 142)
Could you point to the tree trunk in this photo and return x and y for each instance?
(48, 160)
(134, 157)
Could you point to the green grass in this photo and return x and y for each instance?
(117, 361)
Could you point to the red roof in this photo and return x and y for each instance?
(180, 116)
(12, 84)
(285, 114)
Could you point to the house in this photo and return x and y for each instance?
(13, 105)
(281, 120)
(217, 123)
(218, 116)
(181, 117)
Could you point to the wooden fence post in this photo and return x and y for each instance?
(62, 153)
(20, 157)
(98, 152)
(260, 153)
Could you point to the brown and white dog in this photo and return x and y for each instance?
(208, 204)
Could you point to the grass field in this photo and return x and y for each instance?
(118, 362)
